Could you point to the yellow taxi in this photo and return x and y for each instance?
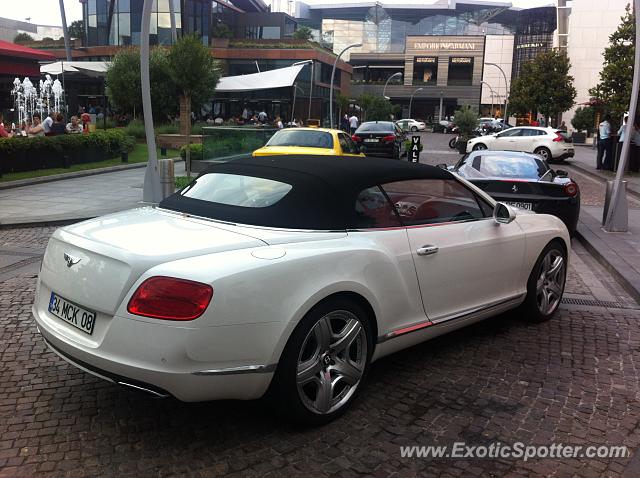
(313, 141)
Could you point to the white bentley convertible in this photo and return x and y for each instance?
(288, 276)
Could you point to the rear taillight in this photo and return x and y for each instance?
(571, 189)
(388, 139)
(559, 138)
(356, 138)
(169, 298)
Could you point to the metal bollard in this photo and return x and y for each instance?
(167, 177)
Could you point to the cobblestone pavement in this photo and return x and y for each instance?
(574, 380)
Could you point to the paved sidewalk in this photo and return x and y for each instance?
(585, 160)
(73, 199)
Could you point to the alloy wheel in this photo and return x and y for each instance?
(550, 283)
(544, 153)
(479, 147)
(331, 362)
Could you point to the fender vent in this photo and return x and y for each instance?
(598, 303)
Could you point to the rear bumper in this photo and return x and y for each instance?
(378, 150)
(169, 361)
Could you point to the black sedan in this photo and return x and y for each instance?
(380, 138)
(525, 181)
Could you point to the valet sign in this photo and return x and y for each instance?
(414, 155)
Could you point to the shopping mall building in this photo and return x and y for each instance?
(442, 48)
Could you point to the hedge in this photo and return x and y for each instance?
(43, 152)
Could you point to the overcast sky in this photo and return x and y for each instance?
(47, 12)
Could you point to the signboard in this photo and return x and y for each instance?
(443, 45)
(426, 59)
(462, 60)
(414, 154)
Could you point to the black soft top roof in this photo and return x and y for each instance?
(323, 194)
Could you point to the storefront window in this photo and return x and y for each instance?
(460, 71)
(425, 70)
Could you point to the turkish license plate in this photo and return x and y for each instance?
(71, 313)
(371, 140)
(522, 205)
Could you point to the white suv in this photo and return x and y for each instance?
(550, 143)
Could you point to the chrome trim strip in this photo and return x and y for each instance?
(150, 392)
(459, 315)
(238, 370)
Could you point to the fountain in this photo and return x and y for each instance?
(28, 99)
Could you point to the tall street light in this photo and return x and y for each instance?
(333, 74)
(492, 93)
(506, 90)
(411, 99)
(399, 73)
(617, 217)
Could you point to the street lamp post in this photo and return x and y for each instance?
(492, 93)
(617, 217)
(333, 74)
(151, 191)
(506, 89)
(399, 73)
(440, 110)
(411, 99)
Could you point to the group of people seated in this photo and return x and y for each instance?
(52, 125)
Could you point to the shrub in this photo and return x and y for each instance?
(42, 152)
(584, 119)
(196, 152)
(135, 128)
(222, 31)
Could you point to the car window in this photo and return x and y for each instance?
(507, 167)
(433, 201)
(373, 210)
(347, 144)
(236, 190)
(511, 132)
(379, 127)
(303, 138)
(533, 132)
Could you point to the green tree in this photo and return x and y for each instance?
(616, 76)
(123, 83)
(222, 31)
(22, 38)
(365, 100)
(303, 33)
(76, 30)
(584, 119)
(380, 109)
(195, 72)
(342, 104)
(544, 85)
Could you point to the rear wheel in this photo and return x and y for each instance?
(324, 363)
(546, 283)
(479, 147)
(452, 142)
(414, 129)
(544, 152)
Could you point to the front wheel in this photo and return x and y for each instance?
(545, 153)
(452, 142)
(324, 363)
(546, 283)
(479, 147)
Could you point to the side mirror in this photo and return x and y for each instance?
(561, 173)
(503, 214)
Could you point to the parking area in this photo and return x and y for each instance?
(573, 380)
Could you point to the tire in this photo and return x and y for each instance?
(316, 347)
(479, 147)
(452, 142)
(544, 152)
(545, 288)
(414, 129)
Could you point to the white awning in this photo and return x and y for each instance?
(279, 78)
(89, 68)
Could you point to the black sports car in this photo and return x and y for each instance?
(523, 180)
(380, 138)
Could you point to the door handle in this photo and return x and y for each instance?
(427, 250)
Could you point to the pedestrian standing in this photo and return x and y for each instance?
(604, 158)
(344, 123)
(353, 123)
(279, 124)
(262, 117)
(621, 135)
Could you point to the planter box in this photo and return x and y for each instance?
(220, 42)
(579, 138)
